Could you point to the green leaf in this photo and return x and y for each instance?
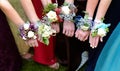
(86, 15)
(94, 33)
(49, 7)
(46, 40)
(102, 19)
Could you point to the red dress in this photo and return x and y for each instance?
(43, 54)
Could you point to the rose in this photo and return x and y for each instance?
(26, 26)
(30, 34)
(65, 10)
(101, 32)
(52, 16)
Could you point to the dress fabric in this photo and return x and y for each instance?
(10, 59)
(113, 17)
(109, 59)
(22, 47)
(43, 54)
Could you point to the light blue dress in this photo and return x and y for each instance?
(109, 59)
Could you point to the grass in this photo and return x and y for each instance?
(30, 65)
(33, 66)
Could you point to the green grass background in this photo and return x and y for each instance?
(29, 65)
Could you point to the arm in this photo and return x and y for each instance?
(29, 10)
(102, 9)
(10, 12)
(68, 26)
(91, 6)
(32, 16)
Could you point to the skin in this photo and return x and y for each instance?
(90, 8)
(32, 16)
(68, 26)
(102, 9)
(9, 11)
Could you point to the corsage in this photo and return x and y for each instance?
(100, 29)
(28, 31)
(84, 24)
(51, 14)
(44, 32)
(68, 11)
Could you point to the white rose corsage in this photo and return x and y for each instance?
(100, 29)
(68, 11)
(44, 33)
(51, 14)
(28, 31)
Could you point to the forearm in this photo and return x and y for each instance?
(10, 12)
(91, 6)
(29, 10)
(102, 9)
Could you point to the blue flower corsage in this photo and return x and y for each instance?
(83, 23)
(100, 29)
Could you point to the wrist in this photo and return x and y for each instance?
(100, 29)
(28, 31)
(84, 24)
(68, 11)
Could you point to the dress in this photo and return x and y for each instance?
(22, 47)
(109, 59)
(113, 17)
(10, 59)
(43, 54)
(69, 49)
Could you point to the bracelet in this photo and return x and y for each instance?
(83, 23)
(28, 31)
(68, 11)
(100, 29)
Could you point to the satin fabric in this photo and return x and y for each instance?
(109, 59)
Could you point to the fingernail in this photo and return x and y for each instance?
(90, 45)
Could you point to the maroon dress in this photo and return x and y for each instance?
(43, 54)
(10, 59)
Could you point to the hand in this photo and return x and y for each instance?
(82, 35)
(32, 43)
(94, 41)
(68, 28)
(56, 27)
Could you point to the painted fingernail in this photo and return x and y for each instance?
(90, 45)
(95, 46)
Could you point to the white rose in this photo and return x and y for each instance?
(30, 34)
(52, 16)
(65, 10)
(101, 32)
(26, 26)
